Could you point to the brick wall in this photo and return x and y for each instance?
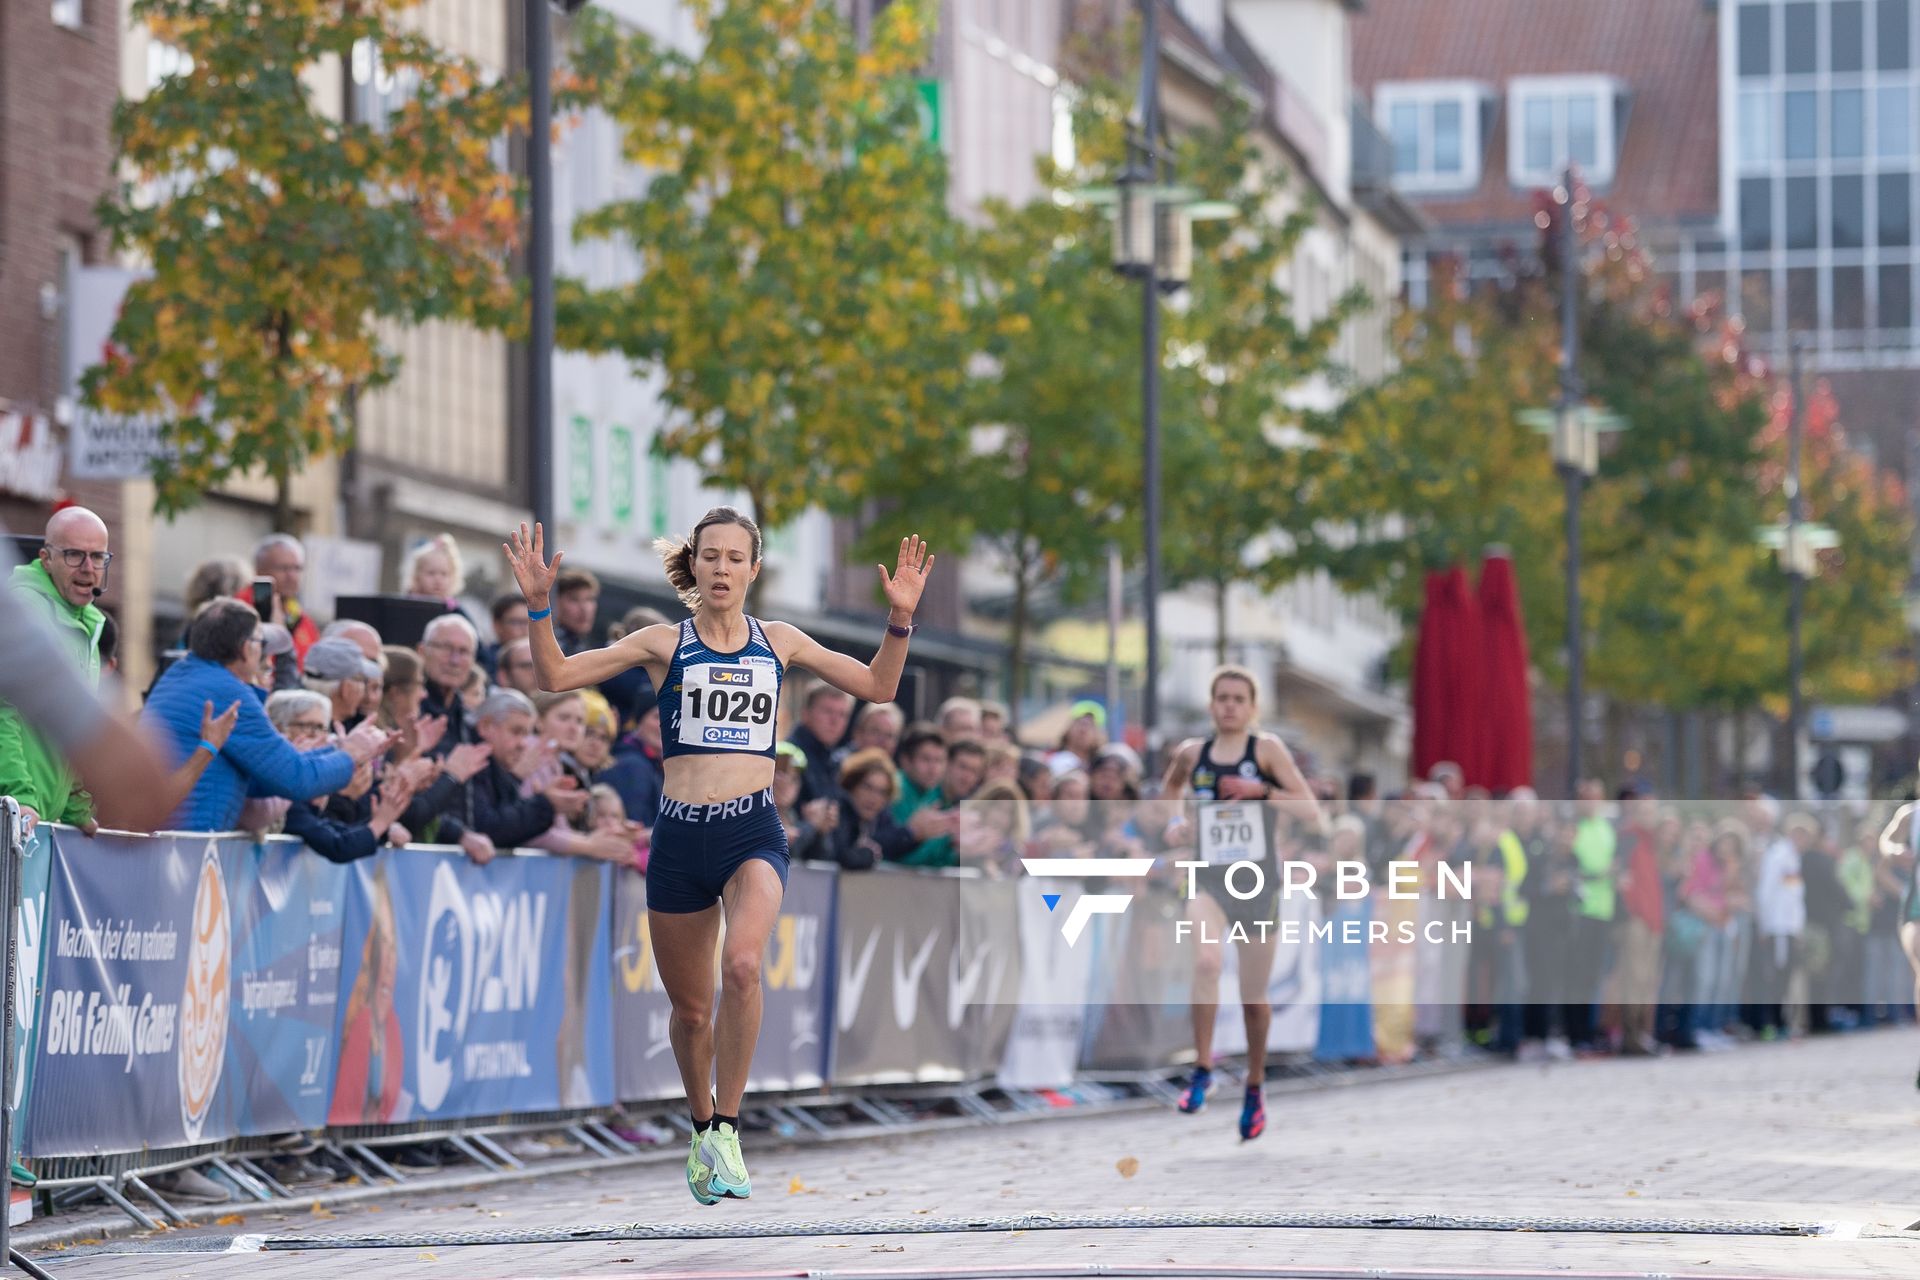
(57, 90)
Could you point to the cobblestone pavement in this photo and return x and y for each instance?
(1824, 1130)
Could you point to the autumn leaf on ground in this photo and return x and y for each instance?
(1127, 1165)
(228, 1220)
(320, 1211)
(799, 1188)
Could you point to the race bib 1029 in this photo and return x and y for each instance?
(728, 708)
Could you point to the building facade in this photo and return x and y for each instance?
(59, 77)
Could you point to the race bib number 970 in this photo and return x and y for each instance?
(730, 708)
(1232, 833)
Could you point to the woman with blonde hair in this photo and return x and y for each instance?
(718, 847)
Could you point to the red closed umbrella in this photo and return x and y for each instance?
(1464, 669)
(1429, 719)
(1508, 702)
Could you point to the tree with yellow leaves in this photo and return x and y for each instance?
(797, 295)
(278, 237)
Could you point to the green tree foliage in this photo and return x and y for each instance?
(1681, 607)
(797, 293)
(1049, 473)
(1235, 354)
(279, 238)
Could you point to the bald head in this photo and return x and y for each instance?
(361, 633)
(76, 534)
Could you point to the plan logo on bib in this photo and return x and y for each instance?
(446, 981)
(1088, 905)
(203, 1002)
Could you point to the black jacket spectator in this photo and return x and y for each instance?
(820, 779)
(332, 839)
(861, 846)
(440, 702)
(491, 803)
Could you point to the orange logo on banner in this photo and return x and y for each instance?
(203, 1004)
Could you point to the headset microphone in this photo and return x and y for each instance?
(98, 592)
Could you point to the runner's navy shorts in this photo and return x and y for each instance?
(698, 847)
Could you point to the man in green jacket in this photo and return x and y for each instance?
(58, 587)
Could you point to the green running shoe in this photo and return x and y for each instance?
(722, 1154)
(700, 1170)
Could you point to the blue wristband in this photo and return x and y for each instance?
(209, 747)
(544, 613)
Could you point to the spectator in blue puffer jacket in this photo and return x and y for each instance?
(223, 651)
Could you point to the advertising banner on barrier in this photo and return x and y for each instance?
(927, 977)
(1138, 1019)
(287, 905)
(138, 979)
(894, 942)
(36, 862)
(795, 986)
(643, 1065)
(470, 990)
(1056, 981)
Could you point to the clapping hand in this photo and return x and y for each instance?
(427, 732)
(367, 742)
(467, 759)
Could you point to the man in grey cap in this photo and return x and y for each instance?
(336, 669)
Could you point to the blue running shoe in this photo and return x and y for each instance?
(1253, 1115)
(1194, 1100)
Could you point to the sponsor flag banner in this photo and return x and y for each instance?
(36, 862)
(138, 980)
(895, 942)
(795, 985)
(472, 991)
(287, 906)
(1346, 985)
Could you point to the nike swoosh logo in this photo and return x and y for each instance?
(906, 984)
(960, 987)
(853, 981)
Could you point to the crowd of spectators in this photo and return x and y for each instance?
(1616, 923)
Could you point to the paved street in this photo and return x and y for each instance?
(1825, 1131)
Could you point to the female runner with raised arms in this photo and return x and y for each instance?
(719, 846)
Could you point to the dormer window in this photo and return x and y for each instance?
(1556, 121)
(1435, 129)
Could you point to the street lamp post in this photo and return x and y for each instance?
(540, 258)
(1575, 429)
(1798, 541)
(1572, 465)
(1153, 243)
(1797, 569)
(539, 35)
(1138, 228)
